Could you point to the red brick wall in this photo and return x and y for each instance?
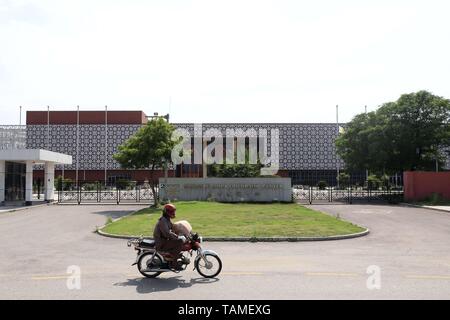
(86, 117)
(419, 185)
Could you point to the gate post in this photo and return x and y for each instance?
(98, 193)
(310, 195)
(118, 194)
(79, 194)
(350, 195)
(59, 191)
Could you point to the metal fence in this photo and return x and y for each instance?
(99, 192)
(140, 192)
(310, 195)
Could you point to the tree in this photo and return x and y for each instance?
(344, 179)
(150, 148)
(408, 134)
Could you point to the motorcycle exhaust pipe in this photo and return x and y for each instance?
(157, 270)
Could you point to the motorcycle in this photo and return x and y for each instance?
(152, 263)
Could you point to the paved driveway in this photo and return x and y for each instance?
(409, 246)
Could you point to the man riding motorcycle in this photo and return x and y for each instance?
(165, 239)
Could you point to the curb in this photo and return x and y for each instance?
(423, 207)
(28, 207)
(98, 229)
(250, 239)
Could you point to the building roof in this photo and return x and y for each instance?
(35, 155)
(85, 117)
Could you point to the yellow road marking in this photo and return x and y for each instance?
(331, 274)
(428, 277)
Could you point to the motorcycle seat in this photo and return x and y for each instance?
(147, 243)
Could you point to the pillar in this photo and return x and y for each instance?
(204, 163)
(49, 184)
(29, 183)
(2, 182)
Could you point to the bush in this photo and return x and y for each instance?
(63, 184)
(435, 199)
(385, 182)
(343, 179)
(322, 185)
(236, 170)
(373, 182)
(89, 186)
(124, 184)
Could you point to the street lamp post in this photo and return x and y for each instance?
(337, 162)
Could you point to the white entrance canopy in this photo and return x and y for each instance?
(31, 157)
(38, 156)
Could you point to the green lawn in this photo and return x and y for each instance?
(211, 219)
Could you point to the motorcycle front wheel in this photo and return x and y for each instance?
(145, 263)
(211, 268)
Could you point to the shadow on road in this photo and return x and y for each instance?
(114, 214)
(146, 285)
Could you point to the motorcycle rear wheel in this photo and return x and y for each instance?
(216, 266)
(143, 266)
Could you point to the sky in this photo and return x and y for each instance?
(221, 61)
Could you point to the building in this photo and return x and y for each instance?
(306, 150)
(17, 165)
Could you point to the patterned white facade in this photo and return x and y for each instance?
(92, 140)
(301, 147)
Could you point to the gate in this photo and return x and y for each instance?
(310, 195)
(98, 192)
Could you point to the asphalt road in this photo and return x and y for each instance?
(409, 248)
